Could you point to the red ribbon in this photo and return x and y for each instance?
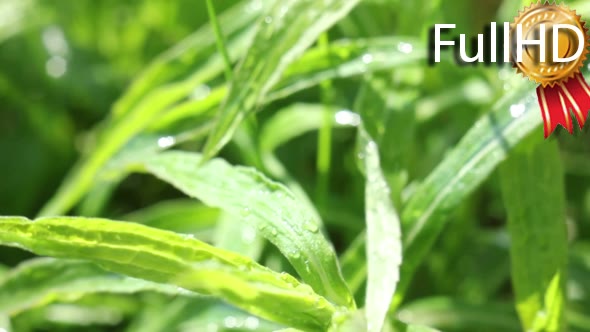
(556, 102)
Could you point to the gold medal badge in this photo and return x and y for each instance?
(561, 84)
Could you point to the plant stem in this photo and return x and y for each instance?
(220, 40)
(325, 135)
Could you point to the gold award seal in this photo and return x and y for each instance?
(549, 73)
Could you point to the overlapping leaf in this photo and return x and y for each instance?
(290, 28)
(164, 257)
(42, 281)
(267, 205)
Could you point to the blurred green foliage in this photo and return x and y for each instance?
(91, 92)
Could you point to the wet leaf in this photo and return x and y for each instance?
(284, 34)
(384, 244)
(42, 281)
(264, 204)
(165, 257)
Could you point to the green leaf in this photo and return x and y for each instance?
(533, 192)
(267, 205)
(388, 116)
(181, 216)
(217, 317)
(293, 121)
(240, 237)
(167, 83)
(456, 315)
(354, 263)
(160, 256)
(290, 28)
(477, 155)
(42, 281)
(195, 49)
(356, 321)
(306, 72)
(384, 246)
(346, 58)
(289, 123)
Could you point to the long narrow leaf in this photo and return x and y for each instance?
(137, 108)
(478, 154)
(533, 192)
(384, 244)
(165, 257)
(267, 205)
(346, 58)
(290, 28)
(41, 281)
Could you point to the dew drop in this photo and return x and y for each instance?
(245, 212)
(200, 92)
(347, 118)
(56, 66)
(55, 41)
(405, 48)
(311, 226)
(230, 322)
(248, 235)
(188, 236)
(251, 323)
(517, 110)
(166, 141)
(254, 6)
(367, 58)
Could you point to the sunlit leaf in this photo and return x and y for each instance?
(236, 236)
(267, 205)
(165, 257)
(42, 281)
(346, 58)
(283, 35)
(384, 245)
(478, 154)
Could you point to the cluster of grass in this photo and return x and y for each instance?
(271, 165)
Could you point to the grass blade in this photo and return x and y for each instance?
(219, 39)
(383, 238)
(478, 154)
(137, 109)
(353, 261)
(346, 58)
(290, 28)
(533, 192)
(142, 252)
(267, 205)
(298, 119)
(134, 112)
(41, 281)
(200, 45)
